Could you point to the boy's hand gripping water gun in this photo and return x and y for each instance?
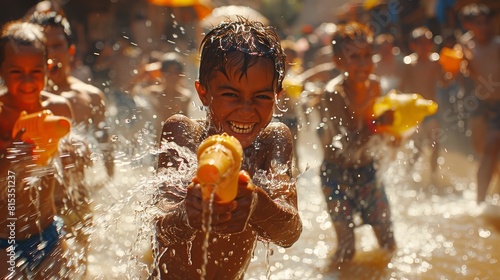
(409, 109)
(219, 164)
(44, 130)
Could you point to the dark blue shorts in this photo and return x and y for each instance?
(355, 190)
(32, 251)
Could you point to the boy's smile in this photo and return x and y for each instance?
(241, 105)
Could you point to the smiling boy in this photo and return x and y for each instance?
(38, 243)
(241, 72)
(348, 172)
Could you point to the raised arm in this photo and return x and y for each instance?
(276, 218)
(174, 175)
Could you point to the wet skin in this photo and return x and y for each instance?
(23, 72)
(241, 107)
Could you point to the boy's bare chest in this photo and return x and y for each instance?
(356, 110)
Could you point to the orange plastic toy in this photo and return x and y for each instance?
(44, 130)
(219, 164)
(410, 109)
(450, 60)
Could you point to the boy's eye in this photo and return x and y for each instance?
(266, 96)
(229, 94)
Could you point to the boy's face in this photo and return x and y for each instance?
(59, 53)
(482, 27)
(23, 72)
(356, 60)
(241, 106)
(171, 75)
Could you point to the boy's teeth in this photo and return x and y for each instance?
(240, 127)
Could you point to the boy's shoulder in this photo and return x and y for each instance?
(50, 98)
(181, 128)
(81, 86)
(335, 85)
(59, 105)
(276, 135)
(277, 129)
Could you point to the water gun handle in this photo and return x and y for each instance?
(44, 130)
(219, 164)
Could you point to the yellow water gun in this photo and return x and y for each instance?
(44, 130)
(219, 164)
(410, 109)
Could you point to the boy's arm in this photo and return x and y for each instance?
(175, 174)
(276, 217)
(102, 128)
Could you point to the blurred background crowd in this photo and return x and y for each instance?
(143, 54)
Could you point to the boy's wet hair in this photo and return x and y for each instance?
(350, 32)
(53, 19)
(420, 32)
(241, 42)
(471, 11)
(21, 33)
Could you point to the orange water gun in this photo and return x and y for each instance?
(451, 59)
(44, 130)
(219, 164)
(410, 109)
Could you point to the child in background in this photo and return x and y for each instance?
(73, 200)
(422, 74)
(169, 95)
(289, 102)
(88, 101)
(241, 74)
(348, 172)
(388, 63)
(28, 224)
(481, 49)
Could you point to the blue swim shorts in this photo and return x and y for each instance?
(355, 190)
(32, 251)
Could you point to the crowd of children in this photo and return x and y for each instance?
(253, 86)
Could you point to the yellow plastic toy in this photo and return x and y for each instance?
(410, 109)
(293, 86)
(44, 130)
(219, 164)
